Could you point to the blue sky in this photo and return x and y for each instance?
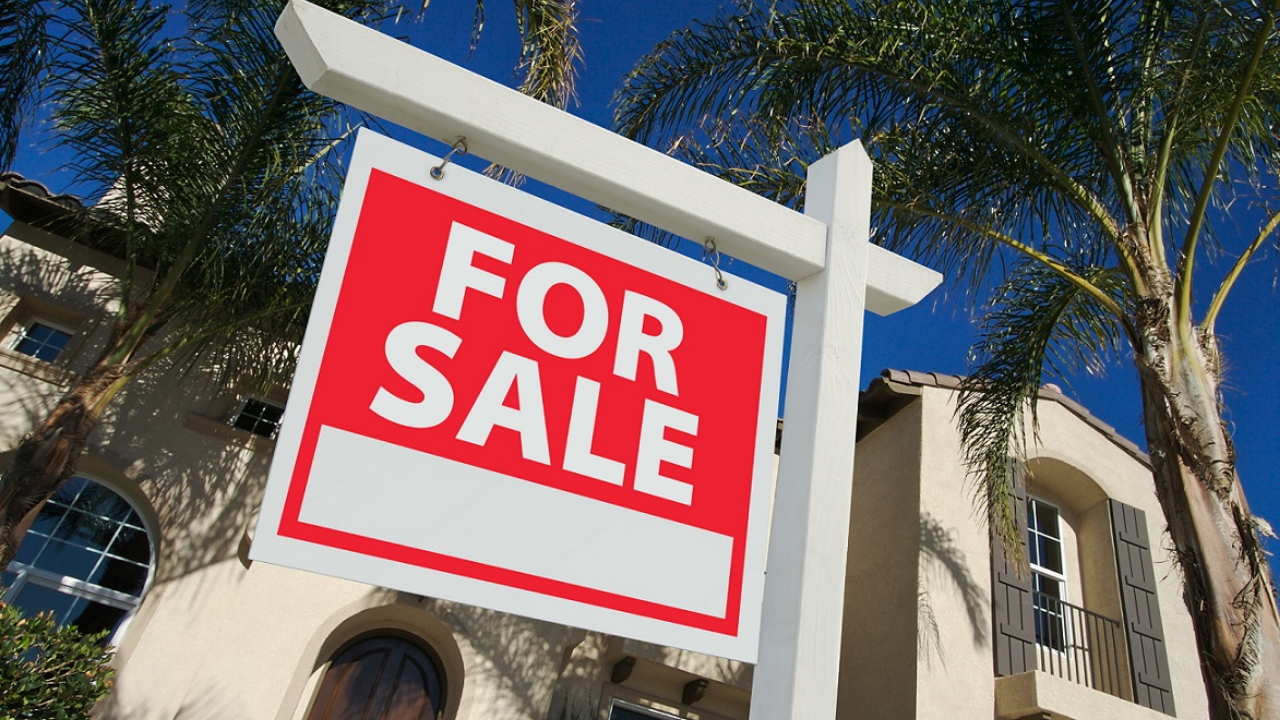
(934, 335)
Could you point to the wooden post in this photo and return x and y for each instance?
(799, 660)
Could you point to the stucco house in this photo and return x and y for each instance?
(151, 542)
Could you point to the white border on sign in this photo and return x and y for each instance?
(376, 151)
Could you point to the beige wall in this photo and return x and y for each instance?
(956, 681)
(882, 580)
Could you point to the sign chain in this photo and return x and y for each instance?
(712, 255)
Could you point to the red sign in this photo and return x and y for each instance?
(570, 417)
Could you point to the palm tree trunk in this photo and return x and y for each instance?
(47, 457)
(1227, 582)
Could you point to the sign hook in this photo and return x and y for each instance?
(459, 147)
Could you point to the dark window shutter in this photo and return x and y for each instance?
(1014, 632)
(1148, 658)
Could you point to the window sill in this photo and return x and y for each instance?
(230, 435)
(38, 369)
(1032, 694)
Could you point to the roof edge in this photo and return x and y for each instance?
(39, 191)
(908, 382)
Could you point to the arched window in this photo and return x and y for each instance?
(1088, 611)
(385, 677)
(86, 558)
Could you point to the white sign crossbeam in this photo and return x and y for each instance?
(395, 81)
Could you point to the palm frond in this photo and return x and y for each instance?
(216, 167)
(273, 182)
(861, 70)
(1039, 325)
(23, 52)
(550, 52)
(130, 124)
(745, 152)
(960, 104)
(122, 108)
(549, 49)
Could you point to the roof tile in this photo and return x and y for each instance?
(1051, 392)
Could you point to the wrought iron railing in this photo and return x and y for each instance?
(1081, 646)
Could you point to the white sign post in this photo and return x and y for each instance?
(826, 250)
(799, 659)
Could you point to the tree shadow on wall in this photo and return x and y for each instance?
(33, 288)
(202, 705)
(519, 658)
(940, 556)
(203, 490)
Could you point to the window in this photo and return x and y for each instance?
(1040, 621)
(41, 341)
(258, 417)
(86, 558)
(626, 711)
(1048, 581)
(384, 677)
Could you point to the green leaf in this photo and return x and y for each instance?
(48, 671)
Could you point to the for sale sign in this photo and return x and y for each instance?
(503, 403)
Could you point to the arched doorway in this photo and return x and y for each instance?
(385, 677)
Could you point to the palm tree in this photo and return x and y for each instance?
(212, 173)
(1087, 149)
(550, 51)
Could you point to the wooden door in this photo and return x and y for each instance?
(380, 678)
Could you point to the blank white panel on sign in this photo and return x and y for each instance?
(386, 492)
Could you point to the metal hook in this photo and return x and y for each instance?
(712, 255)
(459, 147)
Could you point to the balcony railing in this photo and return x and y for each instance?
(1081, 646)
